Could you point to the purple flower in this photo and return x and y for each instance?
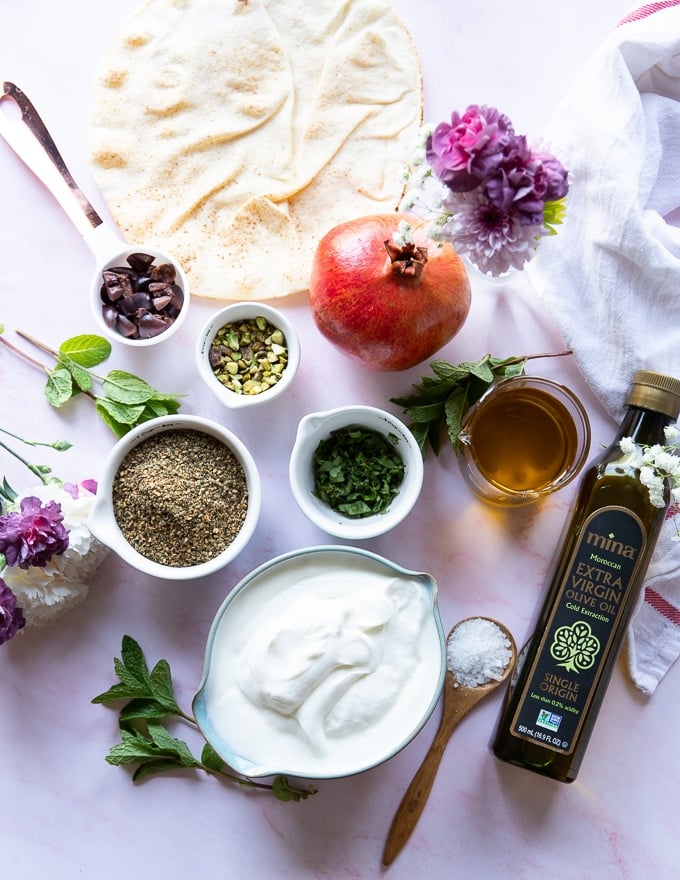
(11, 616)
(525, 181)
(34, 535)
(467, 151)
(493, 238)
(84, 487)
(556, 184)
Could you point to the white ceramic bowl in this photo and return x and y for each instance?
(240, 312)
(321, 663)
(102, 520)
(314, 428)
(108, 261)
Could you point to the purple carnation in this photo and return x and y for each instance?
(11, 616)
(471, 148)
(556, 184)
(34, 535)
(525, 181)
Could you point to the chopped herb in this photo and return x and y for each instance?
(357, 471)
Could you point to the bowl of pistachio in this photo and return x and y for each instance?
(247, 354)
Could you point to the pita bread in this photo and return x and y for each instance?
(234, 133)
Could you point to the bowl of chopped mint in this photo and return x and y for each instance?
(355, 471)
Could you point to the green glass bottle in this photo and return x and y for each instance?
(563, 671)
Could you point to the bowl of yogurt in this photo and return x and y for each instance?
(321, 663)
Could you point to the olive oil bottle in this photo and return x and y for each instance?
(563, 671)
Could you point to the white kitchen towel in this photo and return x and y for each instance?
(611, 276)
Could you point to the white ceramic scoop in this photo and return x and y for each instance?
(29, 138)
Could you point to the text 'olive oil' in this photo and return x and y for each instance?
(562, 673)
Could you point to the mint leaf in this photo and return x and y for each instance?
(210, 759)
(454, 410)
(126, 388)
(121, 413)
(160, 681)
(138, 709)
(87, 350)
(144, 739)
(118, 428)
(59, 388)
(284, 792)
(79, 375)
(134, 659)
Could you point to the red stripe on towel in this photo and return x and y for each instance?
(658, 603)
(648, 9)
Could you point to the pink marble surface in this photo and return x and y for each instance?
(65, 813)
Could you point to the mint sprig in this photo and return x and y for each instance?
(441, 401)
(147, 742)
(124, 401)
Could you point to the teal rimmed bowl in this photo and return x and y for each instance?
(321, 663)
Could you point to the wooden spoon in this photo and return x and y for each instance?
(458, 700)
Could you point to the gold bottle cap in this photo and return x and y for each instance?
(655, 391)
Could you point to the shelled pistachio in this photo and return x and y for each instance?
(249, 356)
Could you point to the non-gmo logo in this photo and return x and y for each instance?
(549, 720)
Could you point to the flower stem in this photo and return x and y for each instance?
(33, 468)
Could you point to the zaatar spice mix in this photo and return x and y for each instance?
(180, 497)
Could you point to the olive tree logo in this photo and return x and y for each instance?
(575, 647)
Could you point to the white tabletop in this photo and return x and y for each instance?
(65, 812)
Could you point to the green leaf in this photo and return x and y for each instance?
(210, 759)
(142, 709)
(481, 369)
(127, 388)
(165, 742)
(59, 388)
(118, 428)
(285, 792)
(134, 659)
(79, 375)
(87, 350)
(7, 492)
(154, 767)
(450, 373)
(121, 413)
(160, 680)
(114, 694)
(442, 399)
(427, 412)
(456, 407)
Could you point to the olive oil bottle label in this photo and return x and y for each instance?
(585, 617)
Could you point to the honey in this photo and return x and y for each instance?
(526, 437)
(524, 441)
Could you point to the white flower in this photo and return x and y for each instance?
(47, 592)
(672, 433)
(627, 445)
(656, 465)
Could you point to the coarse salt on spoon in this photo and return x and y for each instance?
(32, 142)
(480, 656)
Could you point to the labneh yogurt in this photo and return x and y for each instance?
(323, 664)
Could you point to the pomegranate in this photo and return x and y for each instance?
(388, 306)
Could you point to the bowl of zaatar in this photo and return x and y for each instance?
(355, 471)
(247, 354)
(179, 497)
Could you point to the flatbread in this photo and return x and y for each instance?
(234, 133)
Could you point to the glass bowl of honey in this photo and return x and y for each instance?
(525, 438)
